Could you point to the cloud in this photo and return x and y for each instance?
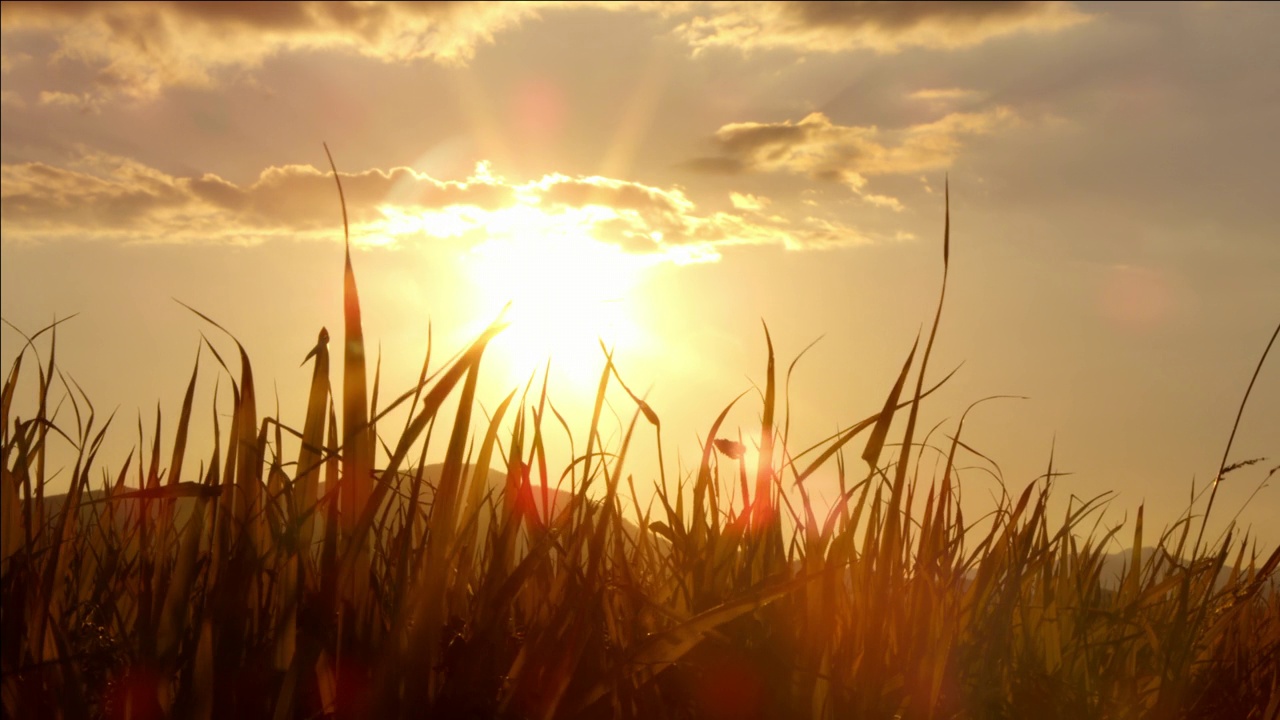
(884, 201)
(117, 198)
(716, 165)
(831, 27)
(107, 197)
(943, 94)
(822, 233)
(85, 102)
(141, 48)
(617, 194)
(748, 201)
(138, 49)
(820, 149)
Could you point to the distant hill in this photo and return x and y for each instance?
(1115, 564)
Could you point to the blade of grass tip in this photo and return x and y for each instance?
(1248, 502)
(595, 417)
(539, 448)
(764, 462)
(248, 477)
(213, 483)
(1231, 439)
(405, 397)
(444, 510)
(596, 543)
(357, 450)
(839, 438)
(153, 471)
(786, 393)
(842, 477)
(643, 407)
(243, 468)
(373, 395)
(184, 422)
(653, 419)
(124, 472)
(142, 445)
(875, 443)
(6, 403)
(481, 469)
(925, 444)
(40, 414)
(69, 393)
(568, 436)
(11, 384)
(204, 342)
(430, 405)
(29, 340)
(422, 381)
(42, 424)
(956, 443)
(905, 453)
(311, 451)
(703, 484)
(1132, 580)
(215, 324)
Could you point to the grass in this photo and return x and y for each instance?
(343, 582)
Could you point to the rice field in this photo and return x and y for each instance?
(354, 579)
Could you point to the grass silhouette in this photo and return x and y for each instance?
(332, 584)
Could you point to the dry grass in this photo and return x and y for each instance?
(323, 586)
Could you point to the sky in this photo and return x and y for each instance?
(671, 178)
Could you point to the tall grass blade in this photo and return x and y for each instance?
(357, 443)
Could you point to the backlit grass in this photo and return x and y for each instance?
(351, 580)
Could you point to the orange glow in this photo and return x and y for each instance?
(567, 290)
(540, 109)
(1136, 297)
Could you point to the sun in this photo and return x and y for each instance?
(568, 292)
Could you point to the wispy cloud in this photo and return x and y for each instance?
(114, 197)
(943, 94)
(848, 154)
(84, 102)
(108, 197)
(141, 48)
(138, 49)
(747, 201)
(829, 27)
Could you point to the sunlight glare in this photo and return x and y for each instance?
(567, 292)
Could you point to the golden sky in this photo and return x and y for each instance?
(667, 176)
